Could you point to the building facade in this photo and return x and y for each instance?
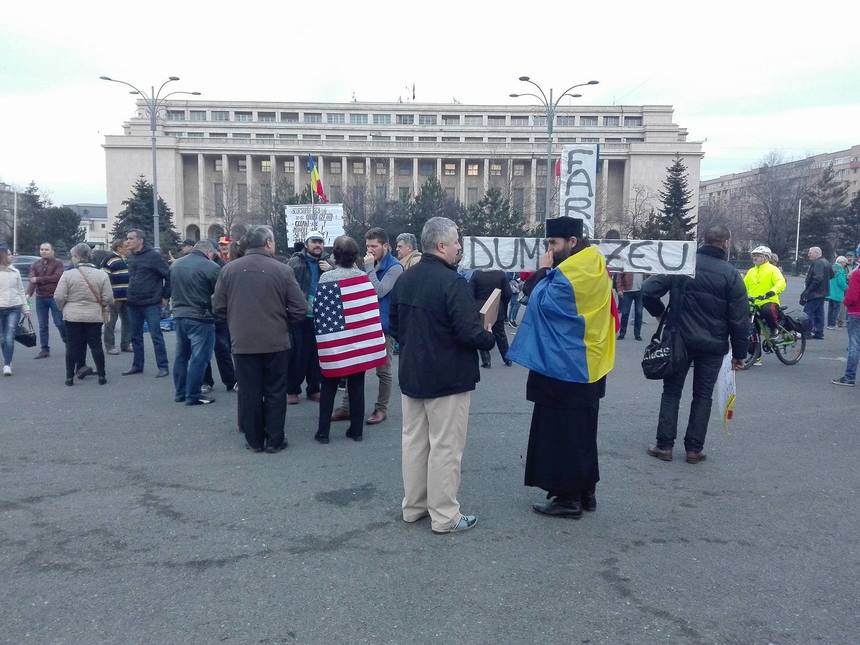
(94, 221)
(221, 161)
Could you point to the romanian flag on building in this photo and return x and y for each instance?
(568, 332)
(316, 182)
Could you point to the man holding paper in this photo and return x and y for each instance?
(483, 284)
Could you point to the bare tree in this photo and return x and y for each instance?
(639, 209)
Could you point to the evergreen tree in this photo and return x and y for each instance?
(823, 211)
(137, 213)
(849, 226)
(493, 216)
(674, 222)
(59, 225)
(432, 201)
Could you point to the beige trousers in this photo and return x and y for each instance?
(434, 435)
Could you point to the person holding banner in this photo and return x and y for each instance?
(567, 341)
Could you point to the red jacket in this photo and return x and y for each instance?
(852, 294)
(44, 276)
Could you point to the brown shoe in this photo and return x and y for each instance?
(659, 453)
(314, 397)
(378, 416)
(340, 415)
(42, 355)
(695, 457)
(292, 399)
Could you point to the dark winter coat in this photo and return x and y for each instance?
(484, 282)
(817, 280)
(148, 277)
(433, 316)
(192, 282)
(714, 308)
(298, 263)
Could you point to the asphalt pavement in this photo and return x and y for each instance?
(126, 518)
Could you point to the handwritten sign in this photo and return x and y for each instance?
(325, 218)
(634, 256)
(578, 183)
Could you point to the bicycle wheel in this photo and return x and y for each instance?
(790, 346)
(753, 351)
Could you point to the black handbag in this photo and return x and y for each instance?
(24, 332)
(666, 353)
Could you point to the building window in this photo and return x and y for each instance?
(381, 119)
(219, 167)
(474, 119)
(198, 115)
(289, 167)
(404, 138)
(450, 119)
(311, 137)
(567, 139)
(242, 194)
(450, 169)
(218, 200)
(588, 121)
(540, 201)
(567, 121)
(472, 196)
(266, 165)
(266, 117)
(517, 199)
(381, 168)
(495, 121)
(243, 166)
(474, 139)
(358, 119)
(471, 170)
(403, 193)
(519, 120)
(519, 139)
(244, 116)
(266, 197)
(495, 169)
(427, 139)
(289, 117)
(450, 192)
(334, 118)
(217, 135)
(405, 119)
(379, 137)
(541, 170)
(425, 168)
(632, 121)
(334, 167)
(590, 140)
(495, 139)
(220, 115)
(357, 167)
(519, 170)
(449, 139)
(288, 136)
(264, 136)
(194, 135)
(336, 194)
(357, 137)
(634, 139)
(334, 137)
(313, 117)
(612, 140)
(404, 168)
(610, 121)
(381, 193)
(242, 135)
(539, 121)
(176, 115)
(426, 119)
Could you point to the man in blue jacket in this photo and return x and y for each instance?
(148, 291)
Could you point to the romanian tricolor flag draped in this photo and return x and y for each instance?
(568, 332)
(316, 182)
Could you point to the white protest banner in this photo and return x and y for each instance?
(325, 218)
(634, 256)
(578, 183)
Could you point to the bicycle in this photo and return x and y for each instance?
(787, 343)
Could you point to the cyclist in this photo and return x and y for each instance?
(764, 283)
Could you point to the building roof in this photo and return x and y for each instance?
(89, 211)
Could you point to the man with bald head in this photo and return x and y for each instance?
(817, 289)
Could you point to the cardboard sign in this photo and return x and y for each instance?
(634, 256)
(325, 218)
(578, 183)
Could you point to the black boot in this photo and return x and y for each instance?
(589, 500)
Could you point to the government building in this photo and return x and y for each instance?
(217, 158)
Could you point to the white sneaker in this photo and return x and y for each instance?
(7, 370)
(205, 389)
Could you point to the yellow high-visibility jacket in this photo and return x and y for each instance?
(763, 278)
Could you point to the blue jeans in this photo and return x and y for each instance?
(633, 298)
(853, 324)
(152, 315)
(195, 341)
(514, 308)
(815, 310)
(9, 317)
(45, 306)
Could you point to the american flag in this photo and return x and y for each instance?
(348, 329)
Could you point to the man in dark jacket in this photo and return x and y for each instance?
(712, 313)
(307, 265)
(261, 300)
(817, 289)
(44, 276)
(148, 291)
(433, 317)
(192, 283)
(483, 284)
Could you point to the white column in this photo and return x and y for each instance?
(486, 175)
(296, 175)
(249, 180)
(202, 186)
(343, 172)
(391, 192)
(625, 188)
(367, 173)
(463, 180)
(605, 181)
(273, 176)
(533, 190)
(414, 176)
(225, 177)
(321, 169)
(439, 168)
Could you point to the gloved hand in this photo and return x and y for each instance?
(769, 294)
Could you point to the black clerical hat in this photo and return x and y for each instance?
(564, 227)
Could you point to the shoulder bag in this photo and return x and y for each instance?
(666, 352)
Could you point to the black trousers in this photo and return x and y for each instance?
(706, 368)
(223, 357)
(501, 342)
(79, 335)
(304, 359)
(355, 391)
(262, 397)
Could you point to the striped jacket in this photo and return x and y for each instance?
(117, 268)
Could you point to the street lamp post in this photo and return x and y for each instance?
(550, 106)
(153, 101)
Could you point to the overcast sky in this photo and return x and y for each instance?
(745, 78)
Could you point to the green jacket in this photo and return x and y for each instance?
(838, 283)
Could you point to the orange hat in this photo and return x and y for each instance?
(225, 239)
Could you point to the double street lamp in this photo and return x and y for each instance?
(153, 101)
(550, 106)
